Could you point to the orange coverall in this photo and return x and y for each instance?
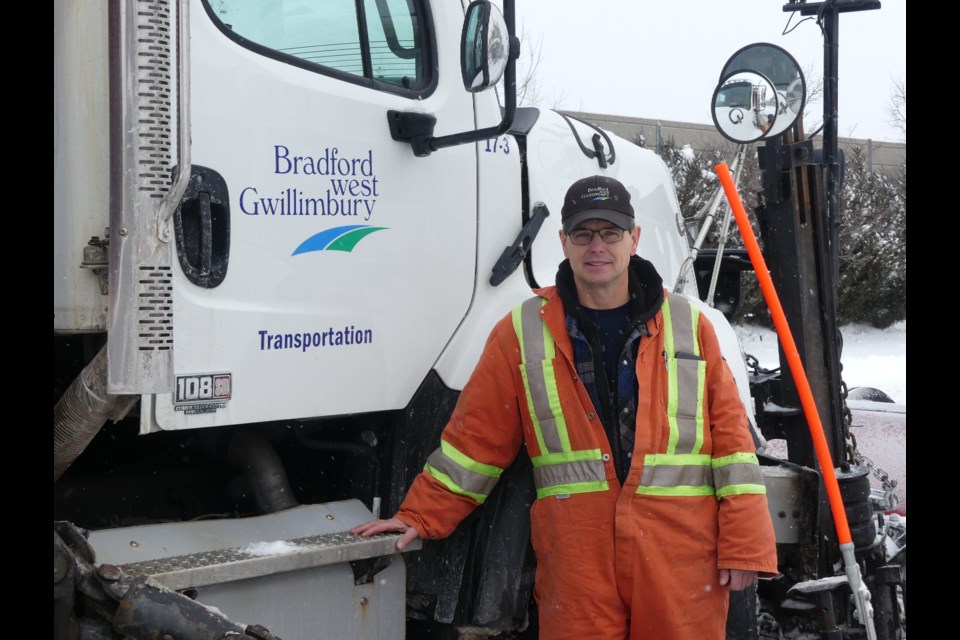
(611, 563)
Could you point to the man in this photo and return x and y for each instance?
(650, 502)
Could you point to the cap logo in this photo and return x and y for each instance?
(597, 193)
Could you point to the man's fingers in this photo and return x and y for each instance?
(408, 536)
(378, 526)
(737, 579)
(365, 528)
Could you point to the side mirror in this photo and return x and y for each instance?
(774, 70)
(488, 50)
(484, 46)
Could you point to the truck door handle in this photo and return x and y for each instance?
(202, 227)
(513, 255)
(206, 233)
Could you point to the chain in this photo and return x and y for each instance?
(890, 497)
(754, 364)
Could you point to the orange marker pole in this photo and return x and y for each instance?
(790, 350)
(851, 568)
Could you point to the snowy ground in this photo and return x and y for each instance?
(871, 358)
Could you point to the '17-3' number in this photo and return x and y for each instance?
(501, 145)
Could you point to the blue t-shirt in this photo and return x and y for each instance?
(610, 325)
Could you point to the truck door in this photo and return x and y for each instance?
(320, 268)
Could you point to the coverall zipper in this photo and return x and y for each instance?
(609, 414)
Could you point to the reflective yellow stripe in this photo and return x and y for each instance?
(452, 486)
(695, 322)
(735, 458)
(701, 379)
(698, 420)
(740, 489)
(671, 363)
(553, 397)
(570, 489)
(549, 351)
(677, 459)
(469, 463)
(566, 456)
(703, 490)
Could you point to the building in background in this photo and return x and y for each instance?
(886, 157)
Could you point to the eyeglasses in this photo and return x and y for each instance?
(610, 235)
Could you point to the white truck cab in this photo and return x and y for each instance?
(283, 231)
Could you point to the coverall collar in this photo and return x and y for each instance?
(646, 290)
(646, 295)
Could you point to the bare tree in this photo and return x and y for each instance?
(529, 87)
(812, 118)
(898, 107)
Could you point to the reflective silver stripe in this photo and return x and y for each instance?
(533, 348)
(466, 480)
(565, 473)
(536, 364)
(737, 474)
(687, 372)
(661, 471)
(683, 338)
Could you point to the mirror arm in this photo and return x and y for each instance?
(417, 128)
(510, 103)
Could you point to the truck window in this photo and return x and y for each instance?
(382, 45)
(735, 94)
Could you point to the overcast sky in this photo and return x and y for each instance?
(663, 59)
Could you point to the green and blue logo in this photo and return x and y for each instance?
(337, 239)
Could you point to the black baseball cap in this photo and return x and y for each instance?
(596, 197)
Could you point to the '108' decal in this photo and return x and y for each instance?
(203, 388)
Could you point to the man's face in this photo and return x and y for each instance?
(599, 264)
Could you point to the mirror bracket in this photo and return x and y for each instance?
(413, 127)
(798, 154)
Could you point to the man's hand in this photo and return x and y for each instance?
(410, 534)
(736, 579)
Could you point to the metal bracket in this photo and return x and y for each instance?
(413, 127)
(513, 255)
(798, 154)
(364, 570)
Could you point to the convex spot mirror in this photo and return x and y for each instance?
(484, 46)
(780, 71)
(745, 107)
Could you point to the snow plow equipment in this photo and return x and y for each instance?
(851, 567)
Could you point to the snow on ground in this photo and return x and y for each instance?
(871, 358)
